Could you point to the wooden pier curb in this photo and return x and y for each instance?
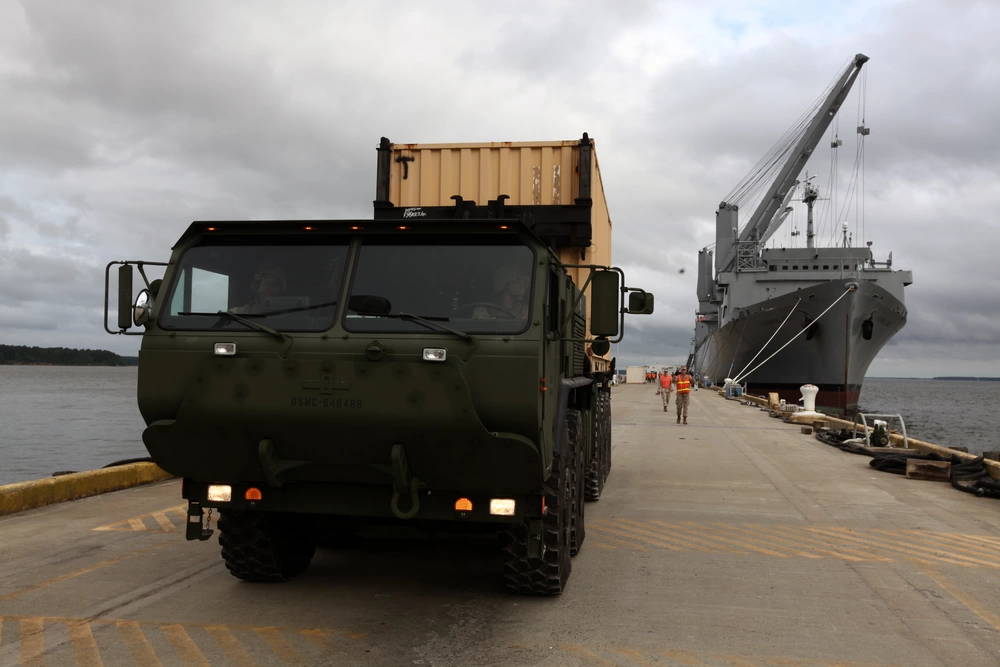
(992, 467)
(22, 496)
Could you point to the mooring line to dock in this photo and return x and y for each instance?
(737, 380)
(764, 346)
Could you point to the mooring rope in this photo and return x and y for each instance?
(772, 337)
(743, 376)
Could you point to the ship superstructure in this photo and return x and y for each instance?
(777, 318)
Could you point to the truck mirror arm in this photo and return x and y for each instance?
(141, 264)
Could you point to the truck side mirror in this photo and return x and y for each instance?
(605, 290)
(640, 302)
(124, 296)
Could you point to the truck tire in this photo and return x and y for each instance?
(600, 460)
(575, 449)
(546, 575)
(260, 546)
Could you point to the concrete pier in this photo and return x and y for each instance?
(734, 540)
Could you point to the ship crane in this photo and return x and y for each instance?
(775, 199)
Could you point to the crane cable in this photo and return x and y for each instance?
(743, 376)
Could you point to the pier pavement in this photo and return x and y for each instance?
(734, 540)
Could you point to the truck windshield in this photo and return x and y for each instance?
(284, 287)
(474, 288)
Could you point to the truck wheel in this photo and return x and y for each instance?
(597, 469)
(259, 546)
(546, 575)
(606, 463)
(574, 440)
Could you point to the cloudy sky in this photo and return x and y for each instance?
(123, 121)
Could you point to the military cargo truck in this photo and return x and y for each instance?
(431, 364)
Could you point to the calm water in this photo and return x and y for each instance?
(79, 418)
(66, 418)
(953, 413)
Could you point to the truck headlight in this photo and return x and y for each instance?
(220, 493)
(502, 506)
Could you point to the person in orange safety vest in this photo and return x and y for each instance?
(683, 382)
(665, 380)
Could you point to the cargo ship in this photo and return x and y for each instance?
(775, 318)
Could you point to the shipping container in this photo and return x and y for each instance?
(529, 173)
(635, 374)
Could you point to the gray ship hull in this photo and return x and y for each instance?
(834, 353)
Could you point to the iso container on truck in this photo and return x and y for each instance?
(559, 174)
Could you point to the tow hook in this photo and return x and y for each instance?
(198, 525)
(403, 484)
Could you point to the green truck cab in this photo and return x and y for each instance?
(427, 365)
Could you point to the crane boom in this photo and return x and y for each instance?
(785, 181)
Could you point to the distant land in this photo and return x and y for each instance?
(61, 356)
(962, 377)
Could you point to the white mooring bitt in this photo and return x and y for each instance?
(808, 399)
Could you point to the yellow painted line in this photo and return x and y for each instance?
(737, 661)
(770, 539)
(974, 542)
(638, 530)
(603, 545)
(165, 523)
(277, 644)
(586, 653)
(866, 540)
(32, 641)
(689, 543)
(84, 646)
(693, 527)
(138, 523)
(683, 657)
(137, 643)
(972, 604)
(627, 544)
(946, 555)
(187, 650)
(895, 551)
(232, 648)
(77, 573)
(321, 638)
(797, 539)
(628, 538)
(22, 496)
(633, 655)
(826, 544)
(952, 546)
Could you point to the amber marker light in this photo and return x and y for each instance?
(463, 505)
(355, 228)
(504, 227)
(253, 493)
(308, 228)
(402, 228)
(211, 229)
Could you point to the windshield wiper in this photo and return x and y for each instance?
(296, 309)
(428, 321)
(244, 320)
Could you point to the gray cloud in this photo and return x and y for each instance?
(123, 123)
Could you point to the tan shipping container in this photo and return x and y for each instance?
(530, 173)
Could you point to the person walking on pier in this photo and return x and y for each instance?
(664, 392)
(683, 382)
